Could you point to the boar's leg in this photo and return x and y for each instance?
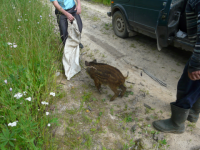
(123, 88)
(98, 85)
(116, 91)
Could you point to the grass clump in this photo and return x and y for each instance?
(105, 2)
(28, 44)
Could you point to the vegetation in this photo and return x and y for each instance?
(27, 74)
(105, 2)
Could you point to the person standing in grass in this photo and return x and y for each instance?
(187, 105)
(67, 10)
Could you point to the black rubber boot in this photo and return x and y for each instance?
(175, 124)
(81, 45)
(194, 112)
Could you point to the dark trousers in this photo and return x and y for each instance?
(63, 23)
(188, 91)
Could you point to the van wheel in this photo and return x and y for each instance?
(119, 25)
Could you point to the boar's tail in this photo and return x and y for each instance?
(127, 75)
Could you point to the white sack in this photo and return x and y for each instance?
(71, 51)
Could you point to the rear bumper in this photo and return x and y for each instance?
(109, 14)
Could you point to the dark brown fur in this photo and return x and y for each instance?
(107, 75)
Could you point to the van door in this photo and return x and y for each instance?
(146, 12)
(125, 1)
(168, 22)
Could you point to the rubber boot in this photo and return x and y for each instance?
(175, 124)
(194, 112)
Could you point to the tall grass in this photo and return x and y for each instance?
(28, 67)
(105, 2)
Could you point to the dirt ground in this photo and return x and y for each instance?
(88, 120)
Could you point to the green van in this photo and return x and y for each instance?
(159, 19)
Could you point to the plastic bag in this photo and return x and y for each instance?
(71, 51)
(181, 34)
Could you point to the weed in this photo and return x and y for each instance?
(105, 2)
(86, 96)
(172, 70)
(86, 119)
(100, 114)
(111, 110)
(103, 99)
(106, 27)
(127, 93)
(133, 45)
(94, 18)
(178, 64)
(94, 99)
(163, 142)
(146, 92)
(191, 125)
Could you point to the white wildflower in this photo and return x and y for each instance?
(18, 95)
(10, 89)
(49, 15)
(26, 19)
(47, 113)
(57, 74)
(5, 81)
(13, 124)
(52, 93)
(37, 22)
(14, 46)
(13, 7)
(24, 92)
(19, 20)
(44, 103)
(9, 43)
(28, 99)
(49, 125)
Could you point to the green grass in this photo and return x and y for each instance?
(28, 67)
(105, 2)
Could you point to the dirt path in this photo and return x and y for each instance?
(89, 121)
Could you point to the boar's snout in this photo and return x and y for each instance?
(86, 63)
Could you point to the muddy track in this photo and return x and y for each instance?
(129, 54)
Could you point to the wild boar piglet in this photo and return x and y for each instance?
(107, 75)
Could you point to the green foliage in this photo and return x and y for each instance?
(27, 65)
(105, 2)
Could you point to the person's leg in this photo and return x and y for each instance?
(187, 94)
(79, 21)
(63, 26)
(80, 26)
(188, 91)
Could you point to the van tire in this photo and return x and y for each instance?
(119, 25)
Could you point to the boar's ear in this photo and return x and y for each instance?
(95, 61)
(86, 63)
